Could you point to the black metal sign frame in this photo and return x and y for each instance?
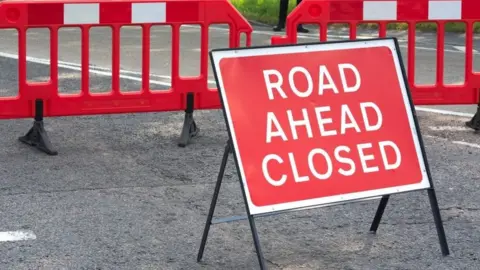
(251, 218)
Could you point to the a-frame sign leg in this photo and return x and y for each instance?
(256, 240)
(253, 228)
(436, 217)
(221, 173)
(379, 213)
(438, 221)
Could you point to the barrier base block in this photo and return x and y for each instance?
(37, 135)
(474, 123)
(38, 138)
(189, 130)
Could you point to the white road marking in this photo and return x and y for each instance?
(12, 236)
(96, 70)
(160, 49)
(464, 49)
(78, 68)
(449, 128)
(474, 145)
(109, 70)
(445, 112)
(435, 137)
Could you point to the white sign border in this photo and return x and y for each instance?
(217, 56)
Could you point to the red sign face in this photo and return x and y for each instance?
(322, 124)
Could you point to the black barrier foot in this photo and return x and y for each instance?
(474, 123)
(38, 138)
(189, 129)
(37, 135)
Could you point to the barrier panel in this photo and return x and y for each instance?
(411, 12)
(42, 99)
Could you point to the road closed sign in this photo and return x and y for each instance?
(317, 124)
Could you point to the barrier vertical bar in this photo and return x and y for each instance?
(411, 52)
(146, 58)
(353, 31)
(22, 62)
(85, 84)
(115, 59)
(440, 53)
(53, 59)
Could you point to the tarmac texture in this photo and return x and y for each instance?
(122, 195)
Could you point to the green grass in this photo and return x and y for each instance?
(266, 11)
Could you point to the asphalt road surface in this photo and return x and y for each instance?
(122, 195)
